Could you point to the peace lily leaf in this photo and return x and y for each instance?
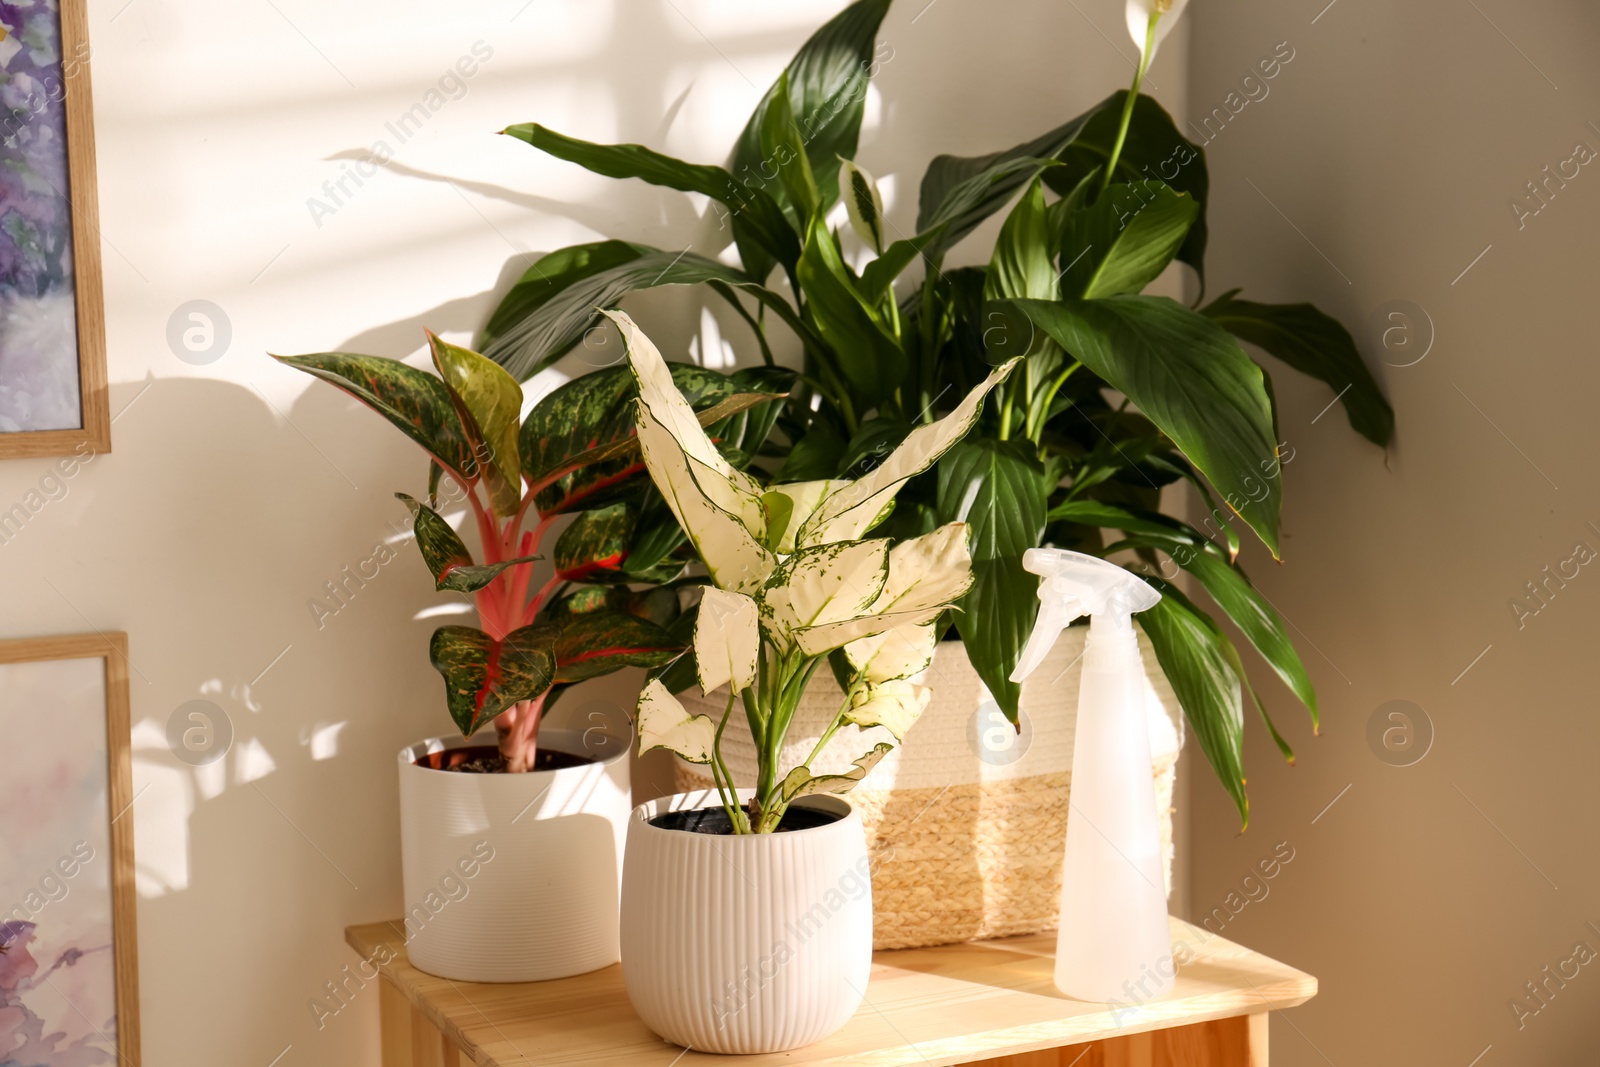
(1022, 265)
(1124, 240)
(1190, 378)
(963, 191)
(549, 332)
(446, 554)
(783, 147)
(489, 404)
(999, 488)
(862, 203)
(417, 403)
(898, 653)
(758, 223)
(1194, 655)
(552, 273)
(599, 642)
(894, 705)
(851, 510)
(878, 276)
(824, 584)
(1315, 344)
(1154, 149)
(826, 88)
(727, 640)
(663, 723)
(594, 548)
(800, 782)
(876, 364)
(483, 677)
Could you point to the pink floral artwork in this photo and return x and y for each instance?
(57, 974)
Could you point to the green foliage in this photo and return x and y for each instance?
(1119, 394)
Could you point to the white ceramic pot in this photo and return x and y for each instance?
(746, 944)
(513, 877)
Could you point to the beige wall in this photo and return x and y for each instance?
(236, 489)
(1427, 895)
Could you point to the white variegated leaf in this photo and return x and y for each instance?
(805, 498)
(667, 405)
(894, 705)
(897, 653)
(801, 782)
(935, 568)
(663, 723)
(850, 511)
(825, 637)
(822, 585)
(727, 640)
(734, 556)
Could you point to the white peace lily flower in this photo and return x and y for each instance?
(664, 723)
(1138, 15)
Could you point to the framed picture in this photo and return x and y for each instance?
(68, 944)
(53, 395)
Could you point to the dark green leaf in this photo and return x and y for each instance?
(1154, 150)
(869, 357)
(1124, 240)
(416, 402)
(783, 148)
(1021, 265)
(1315, 344)
(585, 599)
(814, 457)
(552, 273)
(682, 672)
(1191, 379)
(600, 642)
(999, 489)
(826, 85)
(483, 677)
(1194, 655)
(880, 274)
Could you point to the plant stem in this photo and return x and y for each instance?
(1127, 105)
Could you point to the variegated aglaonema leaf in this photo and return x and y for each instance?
(488, 402)
(446, 554)
(417, 403)
(594, 547)
(801, 782)
(599, 642)
(663, 723)
(727, 640)
(483, 677)
(894, 705)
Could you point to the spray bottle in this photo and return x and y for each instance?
(1113, 942)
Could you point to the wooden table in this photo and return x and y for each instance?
(986, 1002)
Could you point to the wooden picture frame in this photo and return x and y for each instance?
(112, 650)
(82, 208)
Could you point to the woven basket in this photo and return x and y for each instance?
(966, 835)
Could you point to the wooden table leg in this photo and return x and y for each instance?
(409, 1038)
(1237, 1042)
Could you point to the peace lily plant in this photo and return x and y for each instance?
(795, 579)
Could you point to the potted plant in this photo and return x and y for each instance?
(511, 852)
(1120, 395)
(747, 912)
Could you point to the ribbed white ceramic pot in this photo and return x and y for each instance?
(746, 944)
(513, 877)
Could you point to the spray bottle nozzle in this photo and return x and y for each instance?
(1075, 585)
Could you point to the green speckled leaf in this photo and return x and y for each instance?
(483, 677)
(446, 554)
(594, 547)
(415, 401)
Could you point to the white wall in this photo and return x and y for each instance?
(1426, 896)
(236, 489)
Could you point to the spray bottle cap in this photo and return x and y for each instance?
(1075, 584)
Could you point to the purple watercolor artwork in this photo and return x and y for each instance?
(57, 971)
(39, 383)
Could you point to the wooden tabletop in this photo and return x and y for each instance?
(926, 1007)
